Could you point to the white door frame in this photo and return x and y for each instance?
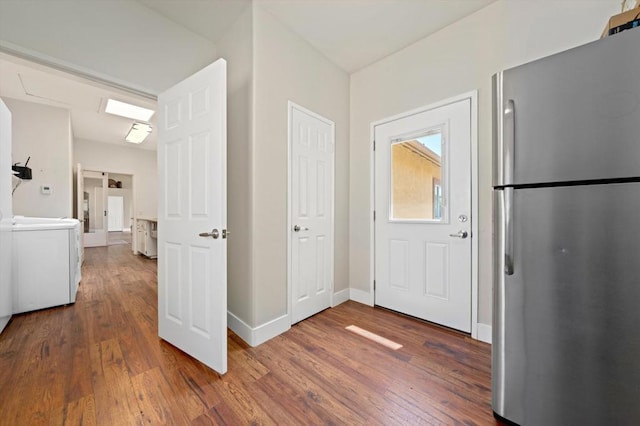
(290, 107)
(473, 97)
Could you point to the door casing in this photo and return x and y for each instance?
(290, 107)
(473, 97)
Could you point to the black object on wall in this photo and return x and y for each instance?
(23, 172)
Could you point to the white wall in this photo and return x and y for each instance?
(121, 41)
(286, 68)
(140, 163)
(237, 48)
(268, 66)
(457, 59)
(43, 133)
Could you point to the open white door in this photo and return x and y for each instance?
(192, 219)
(6, 218)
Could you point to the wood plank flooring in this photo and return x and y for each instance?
(100, 362)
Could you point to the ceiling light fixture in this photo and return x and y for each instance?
(138, 132)
(124, 109)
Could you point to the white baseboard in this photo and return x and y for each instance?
(340, 297)
(4, 321)
(239, 327)
(257, 335)
(484, 333)
(360, 296)
(271, 329)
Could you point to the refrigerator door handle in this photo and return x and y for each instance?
(509, 138)
(508, 231)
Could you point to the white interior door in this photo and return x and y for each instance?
(311, 199)
(94, 208)
(192, 245)
(6, 218)
(115, 212)
(423, 215)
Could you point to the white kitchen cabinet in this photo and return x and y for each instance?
(146, 237)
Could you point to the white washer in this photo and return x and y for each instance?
(46, 262)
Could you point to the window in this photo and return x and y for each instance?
(416, 176)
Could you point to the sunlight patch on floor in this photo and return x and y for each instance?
(374, 337)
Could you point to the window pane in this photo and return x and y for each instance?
(92, 205)
(416, 176)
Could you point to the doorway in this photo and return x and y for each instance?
(424, 216)
(115, 209)
(311, 200)
(120, 208)
(105, 207)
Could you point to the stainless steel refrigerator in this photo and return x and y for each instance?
(566, 217)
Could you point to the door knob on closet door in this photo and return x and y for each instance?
(298, 229)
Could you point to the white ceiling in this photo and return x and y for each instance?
(84, 99)
(351, 33)
(207, 18)
(357, 33)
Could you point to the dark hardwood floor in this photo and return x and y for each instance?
(100, 362)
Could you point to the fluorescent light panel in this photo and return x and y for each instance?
(124, 109)
(138, 132)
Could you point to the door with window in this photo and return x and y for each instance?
(423, 215)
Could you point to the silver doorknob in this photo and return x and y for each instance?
(460, 234)
(298, 229)
(215, 234)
